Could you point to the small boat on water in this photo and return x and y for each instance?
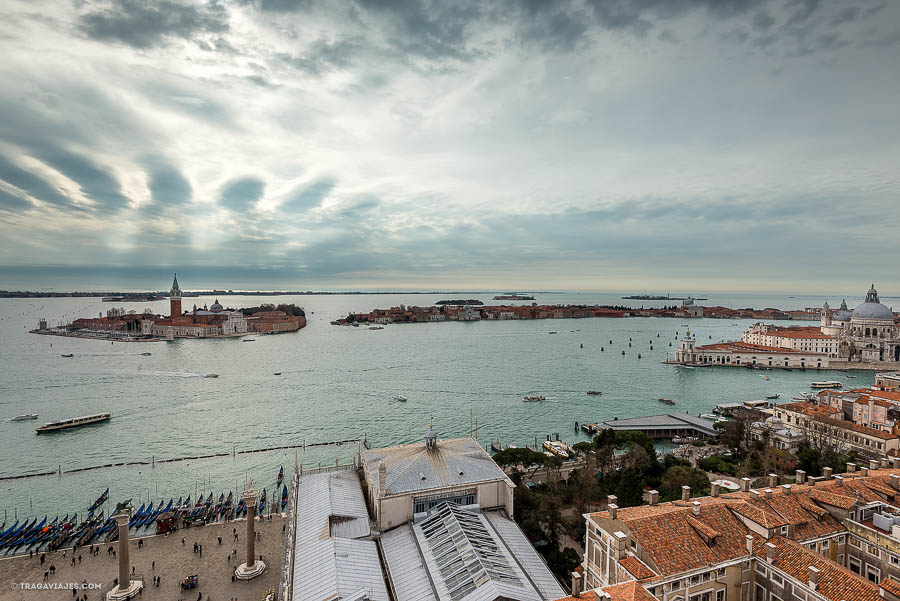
(850, 376)
(593, 392)
(67, 356)
(666, 401)
(400, 397)
(534, 398)
(552, 332)
(826, 384)
(284, 495)
(773, 396)
(22, 418)
(74, 422)
(145, 354)
(277, 373)
(280, 474)
(558, 448)
(249, 340)
(376, 328)
(100, 500)
(211, 376)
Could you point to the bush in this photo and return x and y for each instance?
(698, 443)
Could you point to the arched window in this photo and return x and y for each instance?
(874, 331)
(867, 331)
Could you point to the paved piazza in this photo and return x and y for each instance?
(173, 563)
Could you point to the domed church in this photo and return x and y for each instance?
(867, 333)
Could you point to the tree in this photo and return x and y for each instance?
(519, 456)
(630, 491)
(678, 476)
(735, 434)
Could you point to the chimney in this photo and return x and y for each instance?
(839, 479)
(895, 481)
(770, 552)
(792, 530)
(851, 467)
(695, 509)
(613, 510)
(654, 497)
(382, 478)
(748, 542)
(826, 473)
(576, 584)
(714, 490)
(769, 492)
(685, 493)
(801, 476)
(602, 596)
(756, 494)
(873, 464)
(745, 484)
(813, 573)
(786, 488)
(895, 462)
(864, 471)
(772, 481)
(611, 499)
(885, 462)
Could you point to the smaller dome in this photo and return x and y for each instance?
(216, 306)
(826, 307)
(774, 423)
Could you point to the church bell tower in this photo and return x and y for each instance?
(175, 299)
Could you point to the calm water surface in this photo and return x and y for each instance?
(337, 383)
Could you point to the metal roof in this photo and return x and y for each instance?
(332, 559)
(667, 421)
(460, 554)
(415, 467)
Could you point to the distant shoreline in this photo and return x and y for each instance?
(139, 296)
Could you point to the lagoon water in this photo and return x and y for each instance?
(336, 383)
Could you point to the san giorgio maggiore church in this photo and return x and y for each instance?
(199, 323)
(867, 334)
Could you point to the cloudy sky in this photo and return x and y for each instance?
(729, 145)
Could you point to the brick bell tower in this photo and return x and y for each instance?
(175, 299)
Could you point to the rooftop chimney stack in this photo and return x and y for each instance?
(685, 493)
(695, 508)
(612, 499)
(874, 464)
(885, 462)
(654, 497)
(826, 473)
(895, 481)
(769, 492)
(714, 490)
(613, 510)
(895, 463)
(864, 471)
(786, 488)
(851, 467)
(745, 484)
(801, 476)
(576, 584)
(748, 542)
(839, 479)
(813, 573)
(770, 552)
(772, 481)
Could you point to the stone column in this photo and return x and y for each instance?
(126, 589)
(252, 567)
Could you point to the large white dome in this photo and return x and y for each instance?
(872, 308)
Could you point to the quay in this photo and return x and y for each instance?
(665, 426)
(159, 555)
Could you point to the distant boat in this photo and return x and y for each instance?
(773, 396)
(145, 354)
(557, 448)
(211, 376)
(280, 474)
(74, 422)
(249, 340)
(277, 373)
(666, 401)
(400, 397)
(67, 356)
(534, 398)
(594, 392)
(826, 384)
(22, 418)
(284, 495)
(376, 328)
(551, 332)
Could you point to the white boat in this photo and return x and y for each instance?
(826, 384)
(557, 448)
(400, 397)
(74, 422)
(22, 418)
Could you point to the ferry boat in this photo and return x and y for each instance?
(22, 418)
(74, 422)
(666, 401)
(826, 384)
(557, 448)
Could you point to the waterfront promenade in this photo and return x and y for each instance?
(173, 562)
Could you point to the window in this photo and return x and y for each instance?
(854, 542)
(761, 570)
(895, 561)
(855, 565)
(873, 574)
(702, 596)
(873, 550)
(776, 579)
(760, 592)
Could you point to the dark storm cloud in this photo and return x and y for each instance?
(168, 186)
(309, 196)
(32, 184)
(242, 194)
(762, 21)
(146, 23)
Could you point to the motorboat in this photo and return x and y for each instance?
(773, 396)
(534, 398)
(376, 327)
(277, 373)
(67, 356)
(211, 376)
(249, 340)
(594, 392)
(22, 418)
(74, 422)
(400, 397)
(556, 447)
(826, 384)
(666, 401)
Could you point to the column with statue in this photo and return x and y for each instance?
(252, 567)
(127, 588)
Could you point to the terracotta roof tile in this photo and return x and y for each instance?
(637, 568)
(890, 586)
(628, 591)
